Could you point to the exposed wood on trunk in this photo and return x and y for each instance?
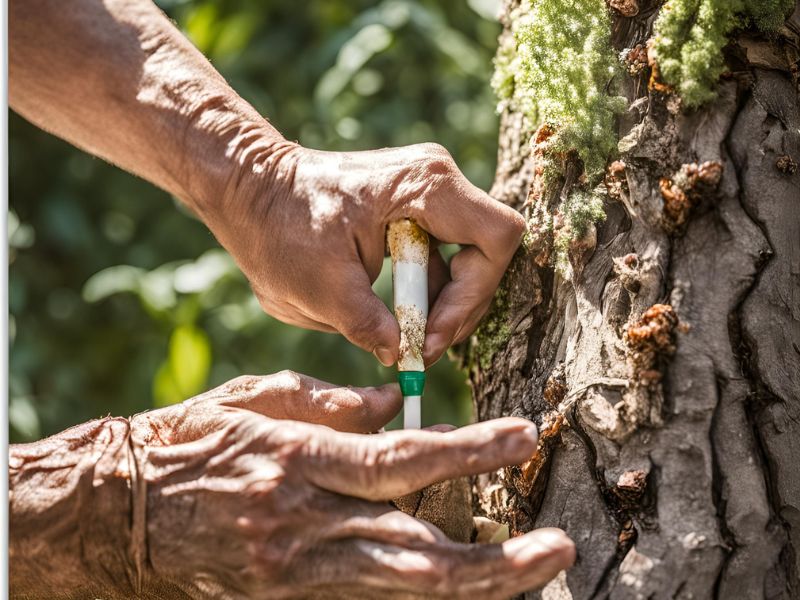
(681, 479)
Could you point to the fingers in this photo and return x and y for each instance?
(356, 312)
(284, 395)
(381, 523)
(461, 303)
(396, 463)
(439, 569)
(438, 275)
(455, 211)
(290, 314)
(293, 396)
(346, 305)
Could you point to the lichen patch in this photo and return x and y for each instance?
(689, 36)
(412, 323)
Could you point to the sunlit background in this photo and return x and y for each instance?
(121, 301)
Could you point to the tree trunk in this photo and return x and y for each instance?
(665, 373)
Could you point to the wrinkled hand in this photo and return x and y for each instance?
(244, 503)
(307, 228)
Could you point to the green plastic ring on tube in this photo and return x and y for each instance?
(411, 382)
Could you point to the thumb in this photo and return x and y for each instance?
(363, 318)
(297, 397)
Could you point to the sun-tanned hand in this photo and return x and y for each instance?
(242, 503)
(308, 230)
(231, 494)
(306, 227)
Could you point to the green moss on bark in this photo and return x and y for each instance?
(689, 36)
(494, 330)
(556, 68)
(579, 212)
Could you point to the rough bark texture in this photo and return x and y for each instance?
(677, 468)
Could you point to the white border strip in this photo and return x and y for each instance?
(4, 302)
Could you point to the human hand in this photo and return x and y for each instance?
(307, 228)
(243, 503)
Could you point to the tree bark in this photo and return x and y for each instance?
(669, 452)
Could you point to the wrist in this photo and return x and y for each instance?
(70, 504)
(237, 155)
(253, 172)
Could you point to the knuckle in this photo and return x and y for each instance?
(434, 150)
(292, 444)
(511, 226)
(517, 224)
(436, 160)
(288, 381)
(269, 306)
(242, 383)
(380, 458)
(276, 306)
(354, 402)
(513, 222)
(438, 574)
(267, 302)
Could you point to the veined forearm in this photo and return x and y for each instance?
(71, 514)
(117, 79)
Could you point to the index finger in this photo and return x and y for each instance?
(393, 464)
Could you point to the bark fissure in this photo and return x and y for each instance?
(758, 394)
(717, 477)
(677, 476)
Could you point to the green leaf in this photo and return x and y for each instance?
(113, 280)
(165, 389)
(202, 26)
(22, 417)
(185, 371)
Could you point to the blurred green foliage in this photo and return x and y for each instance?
(121, 301)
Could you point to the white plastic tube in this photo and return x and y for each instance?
(408, 246)
(412, 412)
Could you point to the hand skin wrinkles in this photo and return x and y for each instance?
(116, 78)
(240, 505)
(305, 226)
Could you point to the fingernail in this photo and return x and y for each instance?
(384, 355)
(515, 426)
(531, 432)
(542, 543)
(556, 541)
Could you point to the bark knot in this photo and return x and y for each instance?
(686, 189)
(527, 475)
(786, 164)
(652, 336)
(627, 8)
